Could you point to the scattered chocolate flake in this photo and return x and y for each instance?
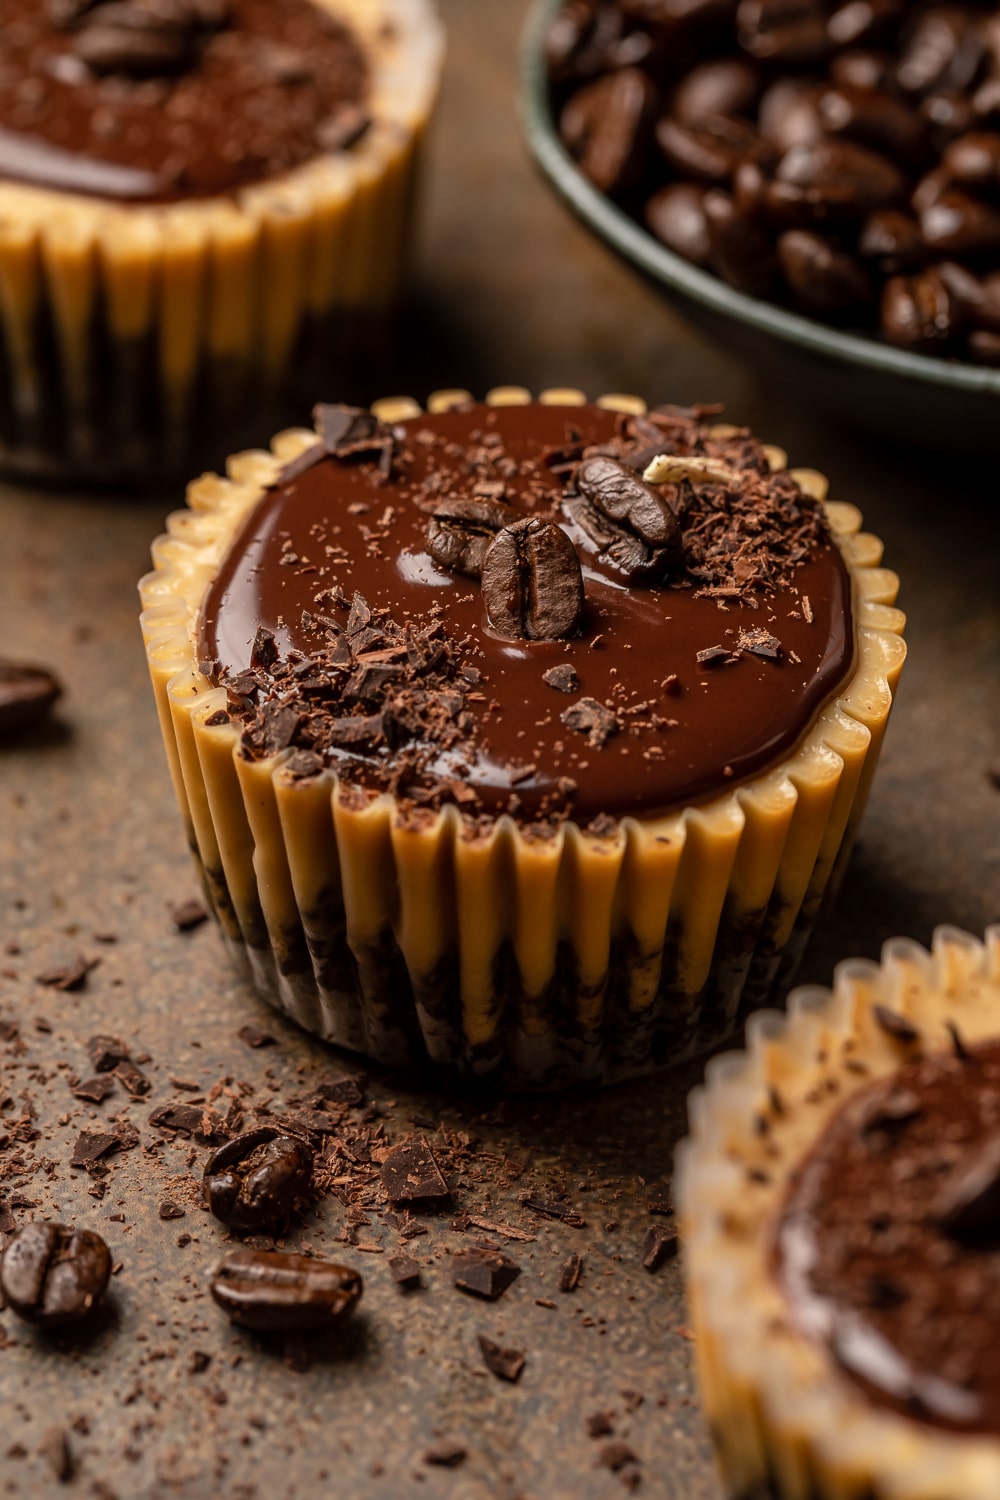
(405, 1271)
(714, 656)
(550, 1210)
(506, 1364)
(659, 1246)
(760, 642)
(632, 1399)
(132, 1079)
(168, 1209)
(27, 695)
(8, 1030)
(254, 1038)
(615, 1455)
(198, 1362)
(187, 915)
(92, 1145)
(896, 1026)
(72, 976)
(483, 1273)
(106, 1052)
(446, 1454)
(570, 1273)
(410, 1174)
(55, 1450)
(590, 718)
(663, 1204)
(94, 1090)
(341, 1088)
(196, 1120)
(563, 678)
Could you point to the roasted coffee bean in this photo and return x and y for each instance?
(960, 225)
(978, 299)
(606, 127)
(974, 160)
(629, 521)
(862, 21)
(274, 1292)
(833, 179)
(51, 1275)
(460, 530)
(876, 118)
(789, 114)
(725, 86)
(26, 696)
(786, 31)
(863, 70)
(944, 51)
(893, 239)
(532, 582)
(136, 40)
(984, 346)
(710, 148)
(919, 312)
(257, 1179)
(824, 279)
(947, 116)
(676, 215)
(984, 105)
(742, 254)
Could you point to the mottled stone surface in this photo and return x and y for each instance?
(508, 289)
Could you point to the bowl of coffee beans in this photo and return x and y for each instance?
(817, 181)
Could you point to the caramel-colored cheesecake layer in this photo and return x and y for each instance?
(188, 100)
(696, 681)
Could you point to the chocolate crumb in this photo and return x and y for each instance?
(600, 1424)
(168, 1209)
(55, 1450)
(106, 1052)
(615, 1455)
(590, 718)
(132, 1079)
(446, 1455)
(405, 1271)
(570, 1273)
(252, 1037)
(94, 1090)
(563, 678)
(506, 1364)
(187, 915)
(68, 977)
(659, 1246)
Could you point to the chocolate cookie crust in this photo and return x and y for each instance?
(155, 102)
(341, 637)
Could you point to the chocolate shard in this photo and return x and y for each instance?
(187, 915)
(264, 652)
(168, 1209)
(106, 1052)
(341, 1088)
(446, 1454)
(570, 1272)
(483, 1273)
(410, 1174)
(91, 1145)
(68, 977)
(898, 1027)
(132, 1079)
(552, 1210)
(94, 1090)
(195, 1120)
(590, 718)
(968, 1207)
(404, 1270)
(563, 678)
(660, 1245)
(252, 1036)
(506, 1364)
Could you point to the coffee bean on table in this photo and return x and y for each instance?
(628, 520)
(606, 127)
(274, 1292)
(257, 1179)
(532, 582)
(27, 694)
(460, 530)
(823, 278)
(676, 215)
(52, 1275)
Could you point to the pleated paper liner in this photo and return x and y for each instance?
(788, 1425)
(539, 961)
(136, 337)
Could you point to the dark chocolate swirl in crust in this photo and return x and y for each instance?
(340, 637)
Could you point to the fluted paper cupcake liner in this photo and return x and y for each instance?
(543, 961)
(132, 335)
(788, 1424)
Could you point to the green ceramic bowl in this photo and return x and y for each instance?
(910, 397)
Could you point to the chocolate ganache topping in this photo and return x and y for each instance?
(492, 606)
(889, 1244)
(156, 100)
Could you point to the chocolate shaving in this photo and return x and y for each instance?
(570, 1272)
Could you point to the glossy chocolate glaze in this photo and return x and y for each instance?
(716, 726)
(910, 1310)
(227, 121)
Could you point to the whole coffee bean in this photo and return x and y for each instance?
(630, 522)
(919, 312)
(606, 127)
(974, 160)
(875, 118)
(52, 1275)
(946, 116)
(460, 530)
(960, 225)
(892, 238)
(725, 86)
(863, 70)
(862, 20)
(824, 279)
(789, 114)
(741, 253)
(984, 105)
(568, 34)
(984, 347)
(786, 31)
(676, 215)
(833, 178)
(978, 298)
(274, 1292)
(944, 51)
(710, 148)
(27, 694)
(115, 43)
(257, 1179)
(532, 582)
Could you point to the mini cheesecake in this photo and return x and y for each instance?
(523, 736)
(194, 194)
(840, 1199)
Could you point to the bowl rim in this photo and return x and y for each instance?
(637, 245)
